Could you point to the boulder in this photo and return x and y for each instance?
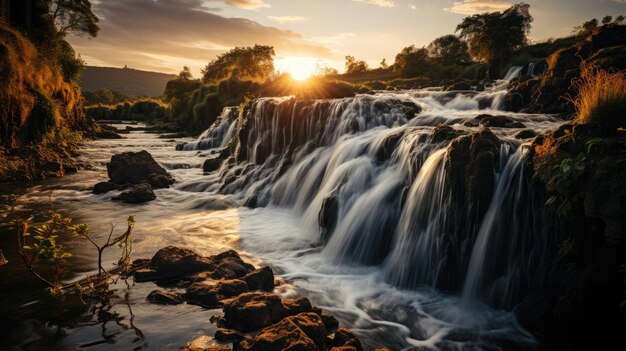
(328, 215)
(202, 294)
(305, 331)
(330, 321)
(297, 305)
(136, 194)
(444, 133)
(172, 262)
(525, 134)
(463, 85)
(498, 122)
(159, 181)
(260, 279)
(212, 164)
(104, 187)
(134, 168)
(252, 311)
(164, 298)
(232, 268)
(344, 337)
(228, 335)
(146, 275)
(204, 343)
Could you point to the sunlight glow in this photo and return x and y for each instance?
(299, 67)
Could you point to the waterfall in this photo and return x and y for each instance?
(369, 180)
(513, 72)
(531, 70)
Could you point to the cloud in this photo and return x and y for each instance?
(381, 3)
(413, 7)
(164, 35)
(248, 4)
(470, 7)
(286, 19)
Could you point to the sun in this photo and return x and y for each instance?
(298, 67)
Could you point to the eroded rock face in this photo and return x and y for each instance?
(252, 311)
(136, 167)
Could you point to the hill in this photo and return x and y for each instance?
(125, 80)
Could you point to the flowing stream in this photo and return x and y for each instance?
(386, 262)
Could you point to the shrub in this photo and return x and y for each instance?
(601, 99)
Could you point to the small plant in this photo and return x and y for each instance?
(566, 175)
(40, 246)
(601, 99)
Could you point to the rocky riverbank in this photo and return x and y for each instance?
(254, 317)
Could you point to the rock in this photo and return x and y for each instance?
(136, 194)
(146, 275)
(388, 146)
(231, 268)
(159, 181)
(498, 122)
(134, 168)
(330, 321)
(297, 305)
(212, 164)
(203, 295)
(164, 298)
(260, 279)
(302, 332)
(345, 337)
(525, 134)
(204, 343)
(443, 133)
(104, 187)
(3, 260)
(252, 311)
(328, 216)
(459, 86)
(228, 335)
(172, 262)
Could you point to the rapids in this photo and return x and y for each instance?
(371, 170)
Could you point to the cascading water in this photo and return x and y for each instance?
(513, 72)
(373, 183)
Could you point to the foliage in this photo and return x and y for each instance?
(566, 176)
(185, 73)
(106, 96)
(601, 99)
(449, 49)
(322, 71)
(40, 246)
(355, 66)
(383, 64)
(141, 110)
(493, 37)
(253, 63)
(412, 62)
(177, 94)
(73, 16)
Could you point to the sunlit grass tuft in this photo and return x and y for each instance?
(601, 98)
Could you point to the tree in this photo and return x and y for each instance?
(383, 64)
(607, 19)
(321, 71)
(412, 62)
(73, 16)
(254, 63)
(449, 49)
(185, 73)
(354, 66)
(588, 28)
(619, 19)
(493, 37)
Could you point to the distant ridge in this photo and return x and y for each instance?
(125, 80)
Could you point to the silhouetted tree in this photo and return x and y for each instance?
(619, 19)
(256, 63)
(321, 70)
(588, 28)
(383, 64)
(607, 19)
(73, 16)
(354, 66)
(412, 62)
(185, 73)
(493, 37)
(449, 49)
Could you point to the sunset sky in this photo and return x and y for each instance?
(164, 35)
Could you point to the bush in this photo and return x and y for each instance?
(601, 99)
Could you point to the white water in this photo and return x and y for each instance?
(389, 255)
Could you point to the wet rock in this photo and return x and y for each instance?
(3, 260)
(172, 262)
(228, 335)
(297, 305)
(388, 146)
(498, 122)
(136, 194)
(328, 216)
(204, 343)
(164, 298)
(203, 295)
(104, 187)
(260, 279)
(134, 168)
(146, 275)
(252, 311)
(344, 337)
(330, 321)
(525, 134)
(462, 85)
(232, 268)
(305, 331)
(159, 181)
(443, 133)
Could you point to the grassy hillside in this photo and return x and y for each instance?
(127, 81)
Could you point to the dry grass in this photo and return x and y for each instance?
(601, 98)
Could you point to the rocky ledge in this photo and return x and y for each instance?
(254, 317)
